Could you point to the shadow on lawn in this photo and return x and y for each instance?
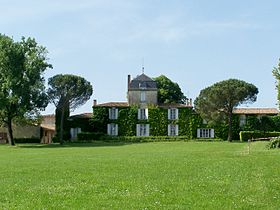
(72, 144)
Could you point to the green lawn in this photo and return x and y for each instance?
(177, 175)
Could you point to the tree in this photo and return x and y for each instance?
(168, 91)
(276, 74)
(216, 103)
(68, 92)
(22, 89)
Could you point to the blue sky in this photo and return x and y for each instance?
(193, 42)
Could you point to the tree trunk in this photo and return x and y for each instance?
(10, 133)
(230, 126)
(61, 126)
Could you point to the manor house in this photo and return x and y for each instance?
(142, 93)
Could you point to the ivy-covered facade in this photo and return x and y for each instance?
(141, 115)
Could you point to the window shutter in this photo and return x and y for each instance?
(117, 113)
(177, 130)
(72, 133)
(110, 113)
(138, 129)
(169, 114)
(139, 114)
(147, 129)
(108, 129)
(146, 113)
(198, 133)
(169, 129)
(117, 130)
(177, 114)
(212, 133)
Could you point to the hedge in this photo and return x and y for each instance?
(274, 143)
(86, 136)
(246, 135)
(27, 140)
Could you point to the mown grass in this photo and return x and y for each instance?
(169, 175)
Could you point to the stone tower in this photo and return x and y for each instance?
(142, 91)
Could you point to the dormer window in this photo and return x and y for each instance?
(142, 85)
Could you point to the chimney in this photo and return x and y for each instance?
(128, 81)
(94, 102)
(190, 101)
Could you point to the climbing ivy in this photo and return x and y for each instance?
(100, 119)
(158, 120)
(188, 123)
(127, 121)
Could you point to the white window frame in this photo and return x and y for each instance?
(142, 130)
(143, 114)
(112, 129)
(74, 132)
(205, 133)
(113, 113)
(173, 129)
(173, 114)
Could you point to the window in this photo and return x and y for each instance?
(173, 130)
(113, 113)
(242, 120)
(142, 130)
(3, 136)
(112, 129)
(73, 131)
(205, 133)
(142, 114)
(173, 114)
(142, 96)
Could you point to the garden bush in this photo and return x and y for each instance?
(88, 136)
(274, 143)
(27, 140)
(246, 135)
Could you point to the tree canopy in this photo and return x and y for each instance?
(168, 91)
(216, 103)
(22, 89)
(68, 92)
(276, 74)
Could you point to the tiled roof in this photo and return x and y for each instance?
(142, 82)
(113, 104)
(272, 111)
(174, 105)
(125, 104)
(48, 127)
(83, 115)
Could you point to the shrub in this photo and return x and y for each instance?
(55, 139)
(246, 135)
(27, 140)
(100, 136)
(274, 143)
(87, 136)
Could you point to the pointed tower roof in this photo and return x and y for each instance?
(143, 82)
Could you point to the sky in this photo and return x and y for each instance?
(195, 43)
